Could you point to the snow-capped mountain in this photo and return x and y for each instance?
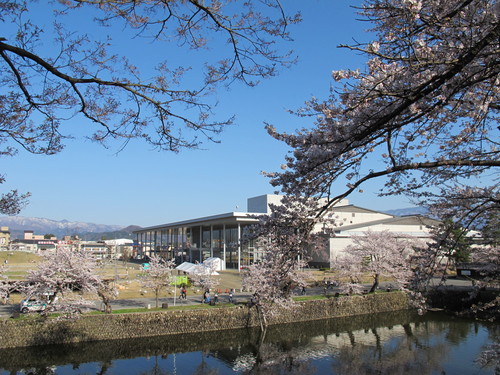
(408, 211)
(18, 224)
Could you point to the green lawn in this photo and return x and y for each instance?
(18, 258)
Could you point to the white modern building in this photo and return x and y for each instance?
(356, 221)
(221, 235)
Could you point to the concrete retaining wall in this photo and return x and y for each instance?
(32, 332)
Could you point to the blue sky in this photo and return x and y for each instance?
(141, 186)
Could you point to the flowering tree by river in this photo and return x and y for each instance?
(107, 292)
(286, 238)
(5, 287)
(421, 118)
(69, 279)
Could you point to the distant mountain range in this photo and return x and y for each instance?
(408, 211)
(87, 231)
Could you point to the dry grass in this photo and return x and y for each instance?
(127, 276)
(130, 286)
(18, 258)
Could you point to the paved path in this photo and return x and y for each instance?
(9, 310)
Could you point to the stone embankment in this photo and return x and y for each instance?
(33, 332)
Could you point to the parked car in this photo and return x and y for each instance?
(33, 304)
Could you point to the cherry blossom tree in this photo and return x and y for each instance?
(5, 286)
(349, 273)
(422, 115)
(286, 237)
(11, 203)
(379, 254)
(68, 277)
(158, 276)
(205, 276)
(52, 73)
(107, 292)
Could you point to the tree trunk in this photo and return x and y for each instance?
(375, 284)
(106, 301)
(262, 318)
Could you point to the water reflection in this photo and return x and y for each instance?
(392, 343)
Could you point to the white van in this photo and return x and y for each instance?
(36, 304)
(32, 304)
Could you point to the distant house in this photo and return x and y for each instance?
(4, 238)
(221, 235)
(34, 243)
(97, 249)
(114, 249)
(120, 248)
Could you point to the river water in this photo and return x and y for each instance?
(392, 343)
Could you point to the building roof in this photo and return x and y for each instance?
(227, 218)
(394, 220)
(357, 209)
(260, 204)
(119, 241)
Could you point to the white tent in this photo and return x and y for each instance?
(186, 267)
(214, 263)
(210, 266)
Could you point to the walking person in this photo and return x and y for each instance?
(205, 297)
(183, 293)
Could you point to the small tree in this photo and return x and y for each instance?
(108, 292)
(380, 254)
(158, 275)
(286, 237)
(205, 277)
(65, 275)
(5, 286)
(272, 280)
(126, 254)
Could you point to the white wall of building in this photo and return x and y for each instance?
(261, 203)
(411, 226)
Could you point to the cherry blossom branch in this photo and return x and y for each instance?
(401, 168)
